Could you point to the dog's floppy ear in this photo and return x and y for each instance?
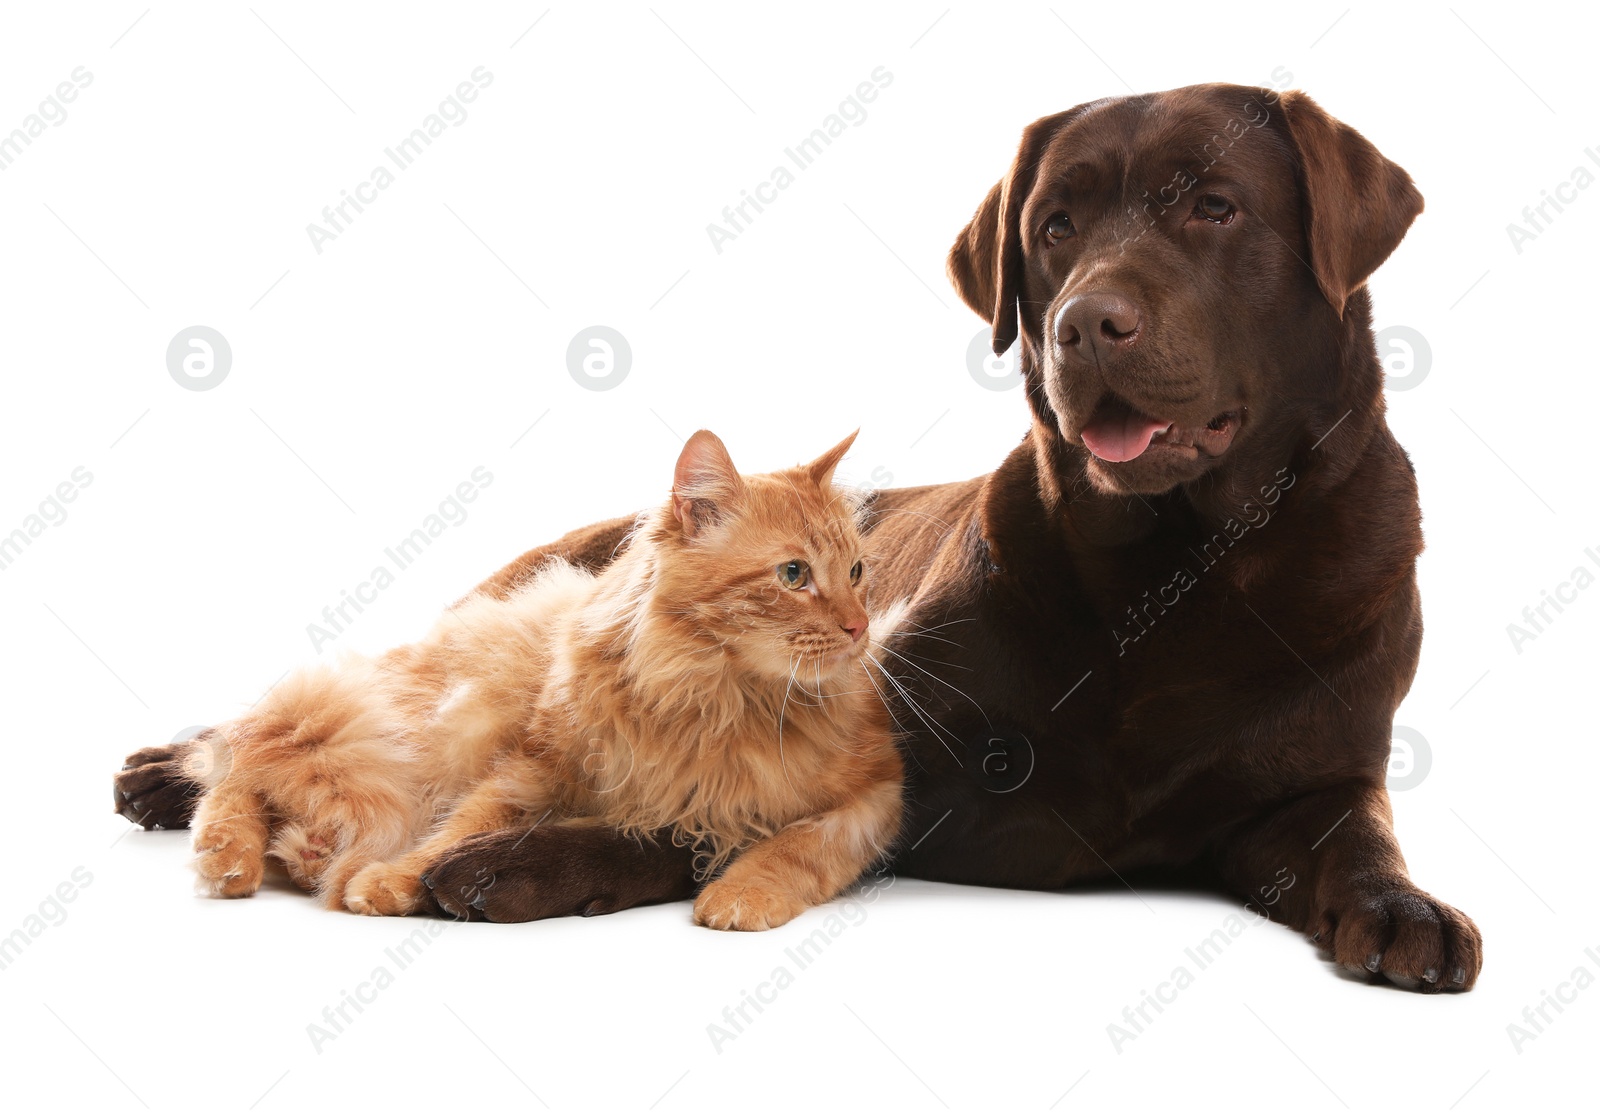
(985, 263)
(1357, 204)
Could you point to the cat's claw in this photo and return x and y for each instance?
(228, 860)
(748, 907)
(382, 890)
(304, 853)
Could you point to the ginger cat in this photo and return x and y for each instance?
(713, 680)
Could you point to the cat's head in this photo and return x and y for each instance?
(769, 565)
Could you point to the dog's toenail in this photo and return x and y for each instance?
(427, 881)
(1374, 960)
(1431, 975)
(478, 901)
(1459, 975)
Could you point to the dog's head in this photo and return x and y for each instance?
(1178, 266)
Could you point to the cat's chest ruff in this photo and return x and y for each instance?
(759, 743)
(761, 765)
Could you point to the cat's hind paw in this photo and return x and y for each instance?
(744, 907)
(229, 857)
(304, 853)
(384, 890)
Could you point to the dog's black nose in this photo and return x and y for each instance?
(1099, 323)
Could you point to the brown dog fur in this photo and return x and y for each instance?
(1236, 730)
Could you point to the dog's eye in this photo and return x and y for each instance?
(1059, 228)
(855, 573)
(1214, 207)
(794, 574)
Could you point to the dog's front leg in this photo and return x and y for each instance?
(1328, 864)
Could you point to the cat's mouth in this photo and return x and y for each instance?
(829, 657)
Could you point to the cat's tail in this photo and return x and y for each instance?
(331, 753)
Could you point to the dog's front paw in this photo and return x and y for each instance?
(153, 788)
(1410, 938)
(229, 857)
(745, 907)
(528, 874)
(383, 890)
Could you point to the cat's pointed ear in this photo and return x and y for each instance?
(705, 485)
(822, 469)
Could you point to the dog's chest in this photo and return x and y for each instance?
(1151, 697)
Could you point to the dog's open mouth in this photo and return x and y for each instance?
(1119, 432)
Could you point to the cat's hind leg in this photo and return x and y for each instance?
(230, 840)
(394, 889)
(327, 762)
(305, 852)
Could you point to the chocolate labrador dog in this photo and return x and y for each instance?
(1171, 630)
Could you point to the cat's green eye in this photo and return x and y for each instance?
(795, 574)
(855, 573)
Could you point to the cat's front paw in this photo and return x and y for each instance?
(229, 857)
(745, 907)
(384, 890)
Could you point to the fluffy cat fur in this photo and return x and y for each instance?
(695, 685)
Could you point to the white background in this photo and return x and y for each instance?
(370, 379)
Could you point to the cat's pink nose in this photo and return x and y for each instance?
(855, 627)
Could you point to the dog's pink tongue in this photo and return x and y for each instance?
(1121, 437)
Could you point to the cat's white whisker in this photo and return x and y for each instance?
(783, 711)
(887, 706)
(945, 683)
(938, 728)
(929, 636)
(942, 625)
(931, 632)
(930, 660)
